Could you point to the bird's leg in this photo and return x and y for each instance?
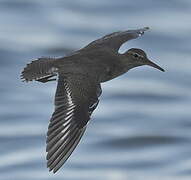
(47, 79)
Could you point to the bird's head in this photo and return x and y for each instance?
(137, 57)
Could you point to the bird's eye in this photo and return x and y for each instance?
(135, 55)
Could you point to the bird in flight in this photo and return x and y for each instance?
(79, 87)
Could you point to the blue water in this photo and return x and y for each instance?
(142, 126)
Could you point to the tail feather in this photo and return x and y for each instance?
(39, 69)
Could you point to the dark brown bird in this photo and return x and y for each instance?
(79, 86)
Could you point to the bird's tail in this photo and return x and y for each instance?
(39, 70)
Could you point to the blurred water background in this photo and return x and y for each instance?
(142, 126)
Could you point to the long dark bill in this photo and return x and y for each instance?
(150, 63)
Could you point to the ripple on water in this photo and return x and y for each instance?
(142, 142)
(145, 97)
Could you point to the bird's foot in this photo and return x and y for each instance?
(46, 79)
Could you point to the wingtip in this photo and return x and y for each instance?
(55, 170)
(142, 31)
(146, 28)
(52, 170)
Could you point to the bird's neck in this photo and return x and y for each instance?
(119, 66)
(126, 63)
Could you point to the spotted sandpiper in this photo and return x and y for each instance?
(79, 86)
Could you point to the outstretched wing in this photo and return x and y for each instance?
(76, 98)
(116, 39)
